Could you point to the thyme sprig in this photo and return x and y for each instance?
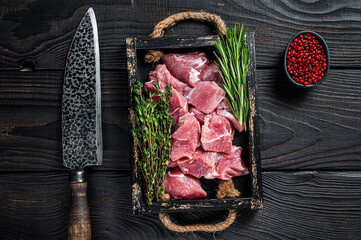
(233, 60)
(152, 136)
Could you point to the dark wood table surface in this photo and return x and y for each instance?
(310, 139)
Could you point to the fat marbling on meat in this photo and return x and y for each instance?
(198, 114)
(206, 96)
(223, 109)
(200, 164)
(217, 134)
(186, 67)
(182, 186)
(229, 165)
(185, 139)
(211, 73)
(162, 76)
(212, 165)
(178, 105)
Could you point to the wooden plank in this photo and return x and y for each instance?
(30, 120)
(41, 31)
(317, 128)
(317, 205)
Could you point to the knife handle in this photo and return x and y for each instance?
(79, 227)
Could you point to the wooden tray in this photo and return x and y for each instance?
(250, 185)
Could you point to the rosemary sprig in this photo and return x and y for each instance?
(233, 60)
(152, 136)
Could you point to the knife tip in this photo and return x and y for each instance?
(90, 11)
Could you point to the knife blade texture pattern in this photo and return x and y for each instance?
(81, 124)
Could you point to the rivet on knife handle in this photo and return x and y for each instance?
(79, 227)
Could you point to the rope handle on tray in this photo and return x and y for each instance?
(158, 32)
(225, 189)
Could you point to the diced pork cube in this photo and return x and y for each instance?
(185, 139)
(223, 109)
(186, 67)
(211, 73)
(162, 76)
(198, 114)
(206, 96)
(201, 163)
(216, 134)
(231, 165)
(178, 105)
(181, 186)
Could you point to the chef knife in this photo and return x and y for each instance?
(81, 120)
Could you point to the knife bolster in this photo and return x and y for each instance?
(77, 176)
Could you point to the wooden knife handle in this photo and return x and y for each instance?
(79, 227)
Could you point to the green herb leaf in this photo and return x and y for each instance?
(152, 137)
(233, 61)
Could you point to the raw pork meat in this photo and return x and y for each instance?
(185, 139)
(208, 153)
(172, 164)
(201, 163)
(229, 165)
(198, 114)
(186, 67)
(178, 105)
(211, 73)
(214, 164)
(162, 76)
(181, 186)
(217, 134)
(206, 96)
(188, 92)
(223, 109)
(224, 105)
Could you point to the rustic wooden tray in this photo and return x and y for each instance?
(250, 185)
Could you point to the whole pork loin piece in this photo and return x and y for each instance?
(217, 134)
(162, 76)
(178, 105)
(185, 139)
(186, 67)
(211, 73)
(206, 96)
(223, 109)
(181, 186)
(229, 165)
(201, 164)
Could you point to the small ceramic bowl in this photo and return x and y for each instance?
(324, 46)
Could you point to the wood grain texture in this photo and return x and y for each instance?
(30, 120)
(317, 205)
(40, 31)
(79, 227)
(310, 129)
(34, 205)
(318, 128)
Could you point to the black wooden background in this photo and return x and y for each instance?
(310, 139)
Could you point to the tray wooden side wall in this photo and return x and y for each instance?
(135, 49)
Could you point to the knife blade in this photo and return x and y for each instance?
(81, 120)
